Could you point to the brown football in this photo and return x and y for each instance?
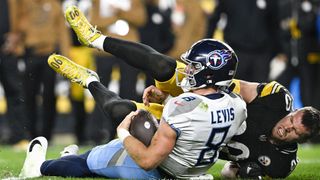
(143, 126)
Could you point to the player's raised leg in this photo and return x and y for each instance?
(108, 101)
(159, 66)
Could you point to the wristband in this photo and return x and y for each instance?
(122, 134)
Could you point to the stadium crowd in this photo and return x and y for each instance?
(274, 40)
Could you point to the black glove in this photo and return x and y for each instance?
(250, 170)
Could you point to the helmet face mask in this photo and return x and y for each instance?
(189, 72)
(208, 63)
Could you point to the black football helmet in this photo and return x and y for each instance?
(209, 62)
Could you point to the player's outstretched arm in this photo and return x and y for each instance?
(159, 66)
(248, 90)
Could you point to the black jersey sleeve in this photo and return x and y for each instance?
(274, 96)
(266, 89)
(271, 94)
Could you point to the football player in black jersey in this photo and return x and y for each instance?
(272, 130)
(266, 145)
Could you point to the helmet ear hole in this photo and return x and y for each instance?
(215, 63)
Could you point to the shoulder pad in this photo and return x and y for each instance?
(182, 104)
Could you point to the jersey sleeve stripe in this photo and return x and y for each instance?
(274, 88)
(177, 130)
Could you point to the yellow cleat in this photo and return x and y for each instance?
(85, 31)
(71, 70)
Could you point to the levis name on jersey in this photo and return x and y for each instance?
(222, 115)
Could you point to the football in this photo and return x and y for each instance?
(143, 126)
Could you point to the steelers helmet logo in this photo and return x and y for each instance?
(264, 160)
(218, 58)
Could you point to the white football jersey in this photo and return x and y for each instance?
(202, 124)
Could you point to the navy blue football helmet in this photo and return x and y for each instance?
(209, 63)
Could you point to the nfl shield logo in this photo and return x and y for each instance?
(218, 58)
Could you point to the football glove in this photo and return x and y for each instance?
(250, 170)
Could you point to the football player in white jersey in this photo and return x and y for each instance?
(197, 142)
(192, 127)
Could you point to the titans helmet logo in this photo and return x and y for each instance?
(218, 58)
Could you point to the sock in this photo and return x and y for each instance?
(68, 166)
(98, 43)
(91, 79)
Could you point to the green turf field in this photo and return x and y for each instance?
(308, 168)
